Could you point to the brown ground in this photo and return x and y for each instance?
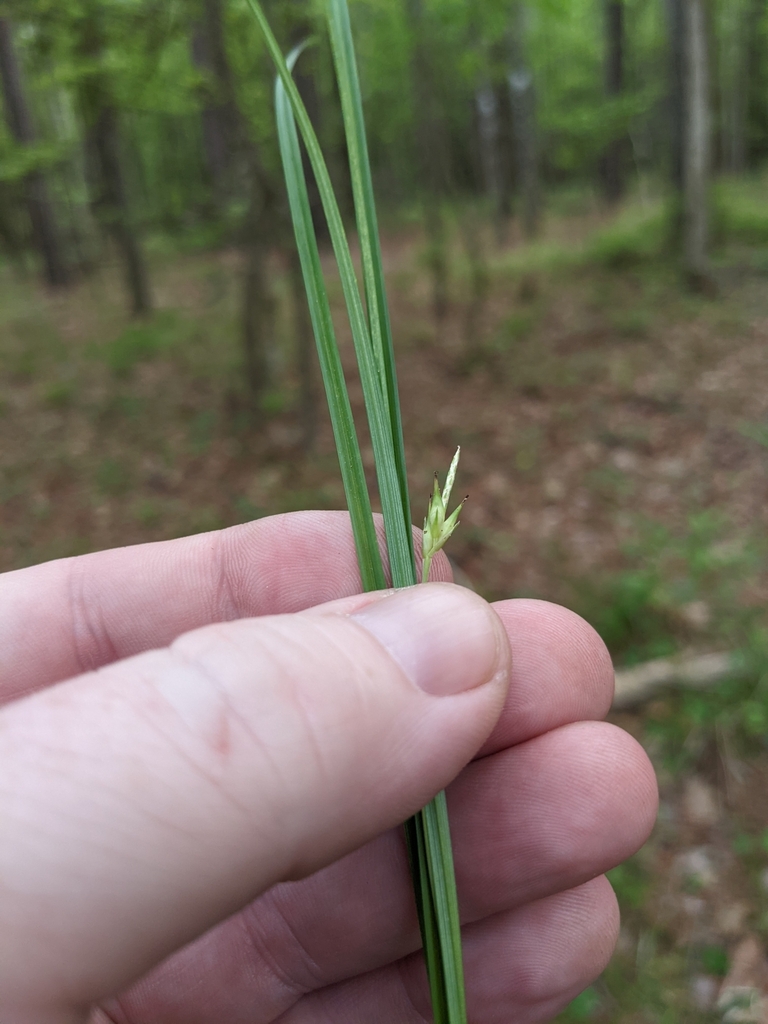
(612, 428)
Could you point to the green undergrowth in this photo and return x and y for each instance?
(645, 611)
(635, 237)
(684, 591)
(677, 587)
(740, 211)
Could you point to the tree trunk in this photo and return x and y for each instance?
(110, 203)
(756, 101)
(220, 118)
(613, 159)
(112, 208)
(39, 206)
(431, 158)
(676, 107)
(522, 97)
(696, 168)
(227, 150)
(487, 106)
(734, 61)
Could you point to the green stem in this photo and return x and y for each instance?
(425, 567)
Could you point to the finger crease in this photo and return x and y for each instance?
(291, 987)
(227, 606)
(92, 643)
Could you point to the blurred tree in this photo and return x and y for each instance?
(697, 155)
(487, 104)
(40, 208)
(101, 118)
(676, 102)
(220, 117)
(522, 95)
(756, 114)
(498, 101)
(613, 160)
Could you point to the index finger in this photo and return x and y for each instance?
(63, 618)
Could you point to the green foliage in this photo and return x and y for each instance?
(112, 477)
(138, 343)
(740, 212)
(201, 430)
(59, 394)
(16, 161)
(630, 883)
(629, 613)
(583, 1006)
(515, 327)
(714, 960)
(637, 611)
(632, 323)
(755, 432)
(427, 833)
(631, 240)
(751, 847)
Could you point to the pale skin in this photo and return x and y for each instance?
(207, 747)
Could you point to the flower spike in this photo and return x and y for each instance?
(438, 529)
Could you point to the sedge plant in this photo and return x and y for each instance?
(427, 833)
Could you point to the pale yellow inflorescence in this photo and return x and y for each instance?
(437, 529)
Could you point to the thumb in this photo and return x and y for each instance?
(143, 803)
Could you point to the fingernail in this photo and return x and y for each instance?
(445, 638)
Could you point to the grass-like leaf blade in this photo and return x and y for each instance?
(398, 532)
(345, 435)
(427, 834)
(446, 906)
(370, 245)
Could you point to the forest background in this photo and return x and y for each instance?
(575, 228)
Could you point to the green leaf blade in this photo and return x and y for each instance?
(427, 834)
(370, 246)
(345, 435)
(398, 530)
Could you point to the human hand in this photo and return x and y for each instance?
(206, 832)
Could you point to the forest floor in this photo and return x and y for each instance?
(614, 433)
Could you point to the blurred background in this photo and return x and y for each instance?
(574, 205)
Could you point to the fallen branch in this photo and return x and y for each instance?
(641, 682)
(692, 671)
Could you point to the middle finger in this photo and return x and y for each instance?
(528, 822)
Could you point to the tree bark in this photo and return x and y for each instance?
(677, 37)
(696, 168)
(613, 159)
(487, 105)
(522, 97)
(219, 116)
(734, 67)
(39, 206)
(756, 100)
(110, 201)
(113, 208)
(227, 149)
